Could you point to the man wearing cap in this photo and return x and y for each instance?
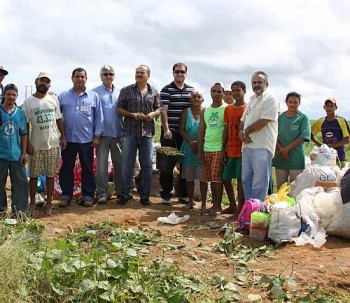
(111, 138)
(83, 126)
(3, 73)
(46, 127)
(334, 129)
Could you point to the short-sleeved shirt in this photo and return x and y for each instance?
(333, 131)
(133, 101)
(42, 114)
(265, 106)
(12, 126)
(82, 115)
(113, 123)
(177, 99)
(290, 129)
(232, 119)
(214, 121)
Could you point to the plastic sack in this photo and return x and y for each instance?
(324, 155)
(173, 219)
(282, 193)
(313, 175)
(345, 187)
(285, 222)
(316, 241)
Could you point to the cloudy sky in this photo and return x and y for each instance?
(304, 45)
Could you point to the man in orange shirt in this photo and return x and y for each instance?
(231, 147)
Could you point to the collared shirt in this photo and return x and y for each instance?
(177, 99)
(265, 106)
(113, 123)
(133, 101)
(82, 115)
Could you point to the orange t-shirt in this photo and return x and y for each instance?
(232, 119)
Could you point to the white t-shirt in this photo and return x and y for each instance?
(42, 115)
(266, 106)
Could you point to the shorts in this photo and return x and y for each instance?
(232, 169)
(213, 166)
(191, 173)
(47, 159)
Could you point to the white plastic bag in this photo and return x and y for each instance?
(284, 223)
(313, 175)
(324, 155)
(173, 219)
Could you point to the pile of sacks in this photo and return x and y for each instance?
(313, 206)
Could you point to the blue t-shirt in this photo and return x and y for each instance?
(12, 126)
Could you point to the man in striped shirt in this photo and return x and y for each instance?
(174, 98)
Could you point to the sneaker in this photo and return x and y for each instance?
(166, 201)
(122, 199)
(102, 200)
(63, 203)
(145, 202)
(39, 200)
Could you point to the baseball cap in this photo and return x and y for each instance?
(331, 100)
(3, 71)
(44, 75)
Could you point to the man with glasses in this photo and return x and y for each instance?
(174, 98)
(3, 73)
(258, 132)
(111, 138)
(228, 95)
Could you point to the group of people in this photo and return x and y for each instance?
(230, 139)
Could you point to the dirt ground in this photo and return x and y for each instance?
(328, 267)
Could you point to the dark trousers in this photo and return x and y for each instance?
(66, 176)
(166, 180)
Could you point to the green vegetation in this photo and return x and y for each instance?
(105, 263)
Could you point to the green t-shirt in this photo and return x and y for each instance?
(289, 129)
(214, 122)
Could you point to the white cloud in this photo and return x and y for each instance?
(303, 45)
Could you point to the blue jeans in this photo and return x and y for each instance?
(19, 186)
(144, 145)
(256, 172)
(114, 145)
(66, 176)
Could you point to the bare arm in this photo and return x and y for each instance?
(24, 141)
(200, 138)
(283, 150)
(313, 139)
(344, 141)
(59, 123)
(29, 146)
(165, 125)
(256, 126)
(224, 143)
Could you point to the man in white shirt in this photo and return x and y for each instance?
(46, 128)
(258, 132)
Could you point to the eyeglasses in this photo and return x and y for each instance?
(197, 97)
(108, 74)
(228, 93)
(179, 72)
(216, 91)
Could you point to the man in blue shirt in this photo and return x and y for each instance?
(13, 144)
(111, 138)
(83, 126)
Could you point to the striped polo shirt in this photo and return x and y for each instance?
(177, 99)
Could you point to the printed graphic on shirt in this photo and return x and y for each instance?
(44, 117)
(9, 129)
(214, 119)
